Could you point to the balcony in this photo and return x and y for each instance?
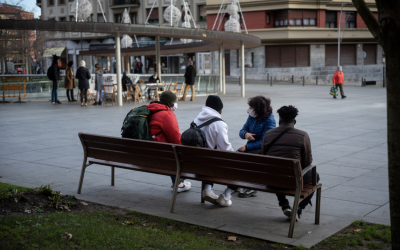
(39, 3)
(124, 3)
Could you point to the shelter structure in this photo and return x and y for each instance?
(210, 40)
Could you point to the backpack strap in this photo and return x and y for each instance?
(209, 122)
(277, 138)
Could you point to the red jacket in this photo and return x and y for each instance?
(163, 124)
(338, 77)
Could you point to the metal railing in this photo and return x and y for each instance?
(123, 2)
(38, 1)
(39, 87)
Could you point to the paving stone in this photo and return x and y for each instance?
(355, 194)
(368, 183)
(383, 212)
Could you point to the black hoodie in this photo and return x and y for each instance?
(53, 73)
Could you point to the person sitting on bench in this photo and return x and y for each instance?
(154, 79)
(288, 142)
(216, 135)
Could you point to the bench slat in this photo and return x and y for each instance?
(144, 161)
(213, 153)
(229, 163)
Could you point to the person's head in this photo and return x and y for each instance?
(97, 66)
(190, 63)
(287, 114)
(55, 59)
(124, 74)
(339, 68)
(214, 102)
(70, 63)
(155, 75)
(168, 98)
(259, 107)
(82, 63)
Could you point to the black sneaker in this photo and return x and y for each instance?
(334, 97)
(343, 97)
(95, 104)
(58, 102)
(245, 193)
(299, 211)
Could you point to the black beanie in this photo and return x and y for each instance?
(167, 97)
(214, 102)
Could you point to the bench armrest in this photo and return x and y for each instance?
(314, 173)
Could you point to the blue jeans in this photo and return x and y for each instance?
(54, 96)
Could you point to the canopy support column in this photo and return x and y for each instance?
(223, 69)
(220, 69)
(242, 80)
(118, 61)
(158, 58)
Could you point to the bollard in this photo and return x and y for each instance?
(292, 78)
(267, 77)
(383, 82)
(303, 80)
(271, 80)
(316, 81)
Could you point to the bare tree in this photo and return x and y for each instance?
(386, 30)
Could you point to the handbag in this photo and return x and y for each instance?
(333, 91)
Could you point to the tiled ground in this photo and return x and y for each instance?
(39, 145)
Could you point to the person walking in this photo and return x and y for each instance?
(338, 81)
(53, 73)
(153, 79)
(288, 142)
(139, 66)
(69, 82)
(259, 121)
(147, 66)
(83, 75)
(98, 81)
(190, 74)
(163, 126)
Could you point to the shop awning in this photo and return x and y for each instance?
(49, 52)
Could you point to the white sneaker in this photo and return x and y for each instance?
(54, 102)
(183, 186)
(224, 202)
(210, 197)
(288, 212)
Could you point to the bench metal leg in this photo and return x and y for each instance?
(84, 166)
(294, 215)
(177, 178)
(203, 186)
(318, 206)
(112, 175)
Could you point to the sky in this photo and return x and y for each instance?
(27, 4)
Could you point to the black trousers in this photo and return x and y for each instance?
(72, 94)
(84, 94)
(284, 203)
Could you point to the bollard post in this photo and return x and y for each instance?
(292, 78)
(316, 81)
(267, 77)
(303, 80)
(271, 80)
(384, 82)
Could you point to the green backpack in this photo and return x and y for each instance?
(136, 124)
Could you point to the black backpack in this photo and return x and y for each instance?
(194, 136)
(50, 73)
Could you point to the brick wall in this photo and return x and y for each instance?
(255, 19)
(321, 18)
(210, 22)
(360, 21)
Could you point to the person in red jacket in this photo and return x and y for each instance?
(338, 81)
(163, 126)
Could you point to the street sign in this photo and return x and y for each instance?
(363, 54)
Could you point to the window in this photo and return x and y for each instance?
(90, 18)
(62, 2)
(331, 19)
(153, 18)
(63, 19)
(133, 17)
(117, 18)
(100, 18)
(51, 2)
(350, 20)
(72, 18)
(268, 18)
(313, 21)
(298, 22)
(276, 23)
(280, 16)
(291, 22)
(295, 18)
(287, 56)
(306, 21)
(202, 13)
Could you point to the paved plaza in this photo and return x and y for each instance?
(39, 144)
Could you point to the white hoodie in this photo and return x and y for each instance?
(217, 132)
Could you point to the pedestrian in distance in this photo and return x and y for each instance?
(139, 66)
(216, 135)
(190, 74)
(83, 75)
(147, 66)
(153, 79)
(69, 82)
(338, 81)
(98, 84)
(259, 121)
(163, 126)
(288, 142)
(53, 73)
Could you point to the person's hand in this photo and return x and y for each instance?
(242, 149)
(249, 136)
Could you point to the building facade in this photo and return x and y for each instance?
(300, 40)
(140, 11)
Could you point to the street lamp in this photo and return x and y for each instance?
(340, 20)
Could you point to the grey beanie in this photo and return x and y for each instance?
(167, 97)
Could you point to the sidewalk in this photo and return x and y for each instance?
(39, 145)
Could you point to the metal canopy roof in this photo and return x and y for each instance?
(211, 38)
(49, 52)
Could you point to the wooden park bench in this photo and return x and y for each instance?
(257, 172)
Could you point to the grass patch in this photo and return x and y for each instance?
(9, 186)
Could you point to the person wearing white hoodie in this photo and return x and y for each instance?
(217, 138)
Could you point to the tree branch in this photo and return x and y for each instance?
(369, 19)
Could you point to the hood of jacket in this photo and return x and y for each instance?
(98, 71)
(158, 106)
(55, 59)
(206, 114)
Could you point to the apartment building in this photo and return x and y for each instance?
(300, 39)
(139, 10)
